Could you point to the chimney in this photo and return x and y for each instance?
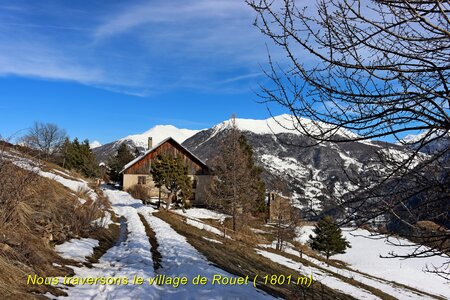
(150, 143)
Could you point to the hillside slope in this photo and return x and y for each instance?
(41, 205)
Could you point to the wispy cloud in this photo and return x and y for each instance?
(173, 12)
(239, 78)
(135, 47)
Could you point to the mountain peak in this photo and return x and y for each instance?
(159, 133)
(284, 123)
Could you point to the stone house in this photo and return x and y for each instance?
(279, 207)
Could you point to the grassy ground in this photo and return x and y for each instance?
(156, 255)
(106, 237)
(241, 259)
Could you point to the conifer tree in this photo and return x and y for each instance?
(237, 188)
(171, 172)
(89, 166)
(328, 238)
(79, 157)
(117, 162)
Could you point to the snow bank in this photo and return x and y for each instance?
(212, 240)
(77, 249)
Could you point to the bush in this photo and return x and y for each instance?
(139, 192)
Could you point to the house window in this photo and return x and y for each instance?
(194, 184)
(142, 179)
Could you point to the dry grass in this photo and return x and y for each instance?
(107, 238)
(36, 213)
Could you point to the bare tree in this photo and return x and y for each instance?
(45, 137)
(282, 214)
(379, 69)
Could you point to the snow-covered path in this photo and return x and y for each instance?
(130, 258)
(179, 258)
(133, 257)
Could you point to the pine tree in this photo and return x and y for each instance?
(328, 238)
(117, 162)
(171, 172)
(79, 157)
(237, 188)
(89, 166)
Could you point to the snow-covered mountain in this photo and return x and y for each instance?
(159, 133)
(436, 141)
(283, 124)
(95, 144)
(317, 174)
(140, 141)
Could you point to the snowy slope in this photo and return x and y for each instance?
(366, 254)
(74, 185)
(320, 276)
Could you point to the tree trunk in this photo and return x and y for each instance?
(234, 218)
(169, 200)
(159, 197)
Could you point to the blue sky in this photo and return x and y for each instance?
(106, 69)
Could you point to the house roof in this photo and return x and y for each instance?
(128, 165)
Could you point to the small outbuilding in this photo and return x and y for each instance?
(280, 208)
(137, 172)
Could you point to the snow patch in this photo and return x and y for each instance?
(212, 240)
(202, 213)
(77, 249)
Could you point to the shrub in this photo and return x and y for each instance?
(139, 192)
